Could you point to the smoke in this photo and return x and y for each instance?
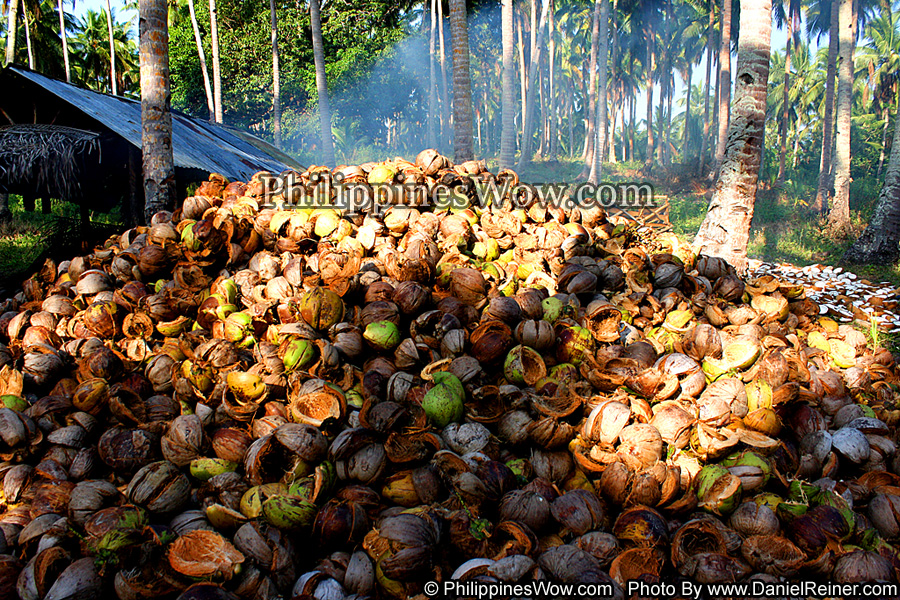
(384, 110)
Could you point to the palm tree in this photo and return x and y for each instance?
(725, 231)
(878, 244)
(508, 123)
(321, 84)
(533, 83)
(112, 47)
(881, 57)
(432, 80)
(462, 87)
(276, 77)
(817, 24)
(602, 122)
(28, 38)
(787, 14)
(691, 20)
(156, 118)
(12, 13)
(839, 217)
(217, 70)
(725, 80)
(64, 37)
(590, 100)
(442, 61)
(553, 88)
(701, 165)
(91, 52)
(210, 100)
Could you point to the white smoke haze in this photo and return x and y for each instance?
(385, 112)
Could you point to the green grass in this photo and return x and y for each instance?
(24, 237)
(782, 232)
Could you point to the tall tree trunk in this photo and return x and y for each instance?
(725, 81)
(554, 92)
(112, 49)
(539, 82)
(522, 74)
(442, 57)
(590, 102)
(701, 164)
(156, 118)
(884, 137)
(65, 39)
(210, 100)
(276, 77)
(462, 86)
(839, 217)
(686, 139)
(668, 85)
(667, 146)
(786, 101)
(725, 231)
(217, 70)
(527, 131)
(631, 129)
(28, 38)
(651, 146)
(796, 149)
(611, 141)
(878, 244)
(571, 117)
(508, 92)
(11, 29)
(823, 189)
(321, 84)
(432, 81)
(602, 89)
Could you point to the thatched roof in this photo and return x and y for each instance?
(50, 156)
(198, 145)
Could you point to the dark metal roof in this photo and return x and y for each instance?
(197, 144)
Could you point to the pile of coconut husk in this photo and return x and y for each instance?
(257, 402)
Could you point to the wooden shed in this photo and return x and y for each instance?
(58, 140)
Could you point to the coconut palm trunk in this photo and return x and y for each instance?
(878, 244)
(602, 88)
(432, 80)
(839, 217)
(321, 84)
(65, 39)
(725, 231)
(823, 189)
(156, 118)
(11, 28)
(701, 164)
(442, 57)
(885, 115)
(276, 77)
(522, 71)
(112, 50)
(591, 100)
(651, 146)
(785, 101)
(725, 80)
(210, 100)
(686, 138)
(533, 83)
(217, 70)
(28, 38)
(554, 92)
(462, 86)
